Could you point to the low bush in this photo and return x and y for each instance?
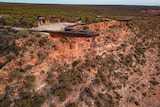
(13, 48)
(86, 28)
(42, 55)
(22, 34)
(43, 41)
(15, 75)
(1, 65)
(28, 99)
(30, 42)
(28, 67)
(72, 105)
(4, 103)
(64, 40)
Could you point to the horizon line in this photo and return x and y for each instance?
(77, 4)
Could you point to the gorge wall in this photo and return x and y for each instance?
(99, 71)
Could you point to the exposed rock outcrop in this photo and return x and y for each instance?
(110, 69)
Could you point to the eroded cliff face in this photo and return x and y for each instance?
(151, 12)
(68, 49)
(89, 72)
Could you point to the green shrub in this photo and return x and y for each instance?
(75, 63)
(39, 99)
(29, 99)
(72, 77)
(72, 105)
(30, 42)
(66, 81)
(154, 82)
(29, 85)
(14, 74)
(28, 67)
(86, 28)
(10, 57)
(14, 49)
(62, 92)
(4, 38)
(54, 46)
(4, 103)
(26, 100)
(5, 31)
(43, 41)
(31, 78)
(25, 95)
(30, 82)
(113, 27)
(64, 40)
(51, 79)
(1, 64)
(24, 103)
(42, 55)
(137, 103)
(22, 34)
(38, 35)
(1, 96)
(1, 78)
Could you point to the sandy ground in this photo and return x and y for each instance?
(53, 26)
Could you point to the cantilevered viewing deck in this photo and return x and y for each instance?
(65, 29)
(72, 33)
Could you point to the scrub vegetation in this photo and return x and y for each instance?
(120, 67)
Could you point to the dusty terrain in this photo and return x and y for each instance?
(119, 68)
(53, 26)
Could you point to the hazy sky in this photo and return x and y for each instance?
(127, 2)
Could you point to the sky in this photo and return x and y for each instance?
(104, 2)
